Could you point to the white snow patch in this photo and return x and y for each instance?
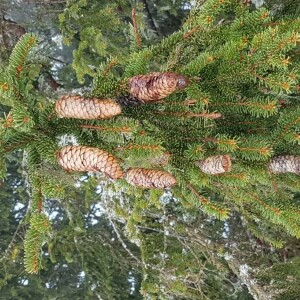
(19, 206)
(58, 40)
(245, 270)
(67, 139)
(24, 282)
(53, 215)
(228, 256)
(258, 3)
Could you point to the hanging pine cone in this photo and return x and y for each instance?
(78, 107)
(155, 86)
(82, 158)
(217, 164)
(148, 178)
(285, 164)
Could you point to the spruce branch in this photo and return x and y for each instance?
(218, 212)
(286, 128)
(136, 30)
(35, 238)
(20, 54)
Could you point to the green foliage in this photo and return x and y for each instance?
(284, 277)
(99, 33)
(35, 238)
(101, 29)
(241, 66)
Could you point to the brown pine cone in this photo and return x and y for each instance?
(78, 107)
(217, 164)
(155, 86)
(285, 164)
(148, 178)
(82, 158)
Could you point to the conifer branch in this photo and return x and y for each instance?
(20, 53)
(245, 54)
(222, 213)
(35, 238)
(286, 129)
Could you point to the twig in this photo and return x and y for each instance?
(149, 17)
(7, 251)
(57, 60)
(122, 242)
(111, 129)
(191, 32)
(40, 201)
(112, 63)
(136, 30)
(190, 114)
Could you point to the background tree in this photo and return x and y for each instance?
(95, 41)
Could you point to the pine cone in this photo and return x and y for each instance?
(78, 107)
(215, 164)
(149, 178)
(285, 164)
(82, 158)
(155, 86)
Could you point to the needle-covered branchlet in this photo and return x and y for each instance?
(78, 107)
(82, 158)
(155, 86)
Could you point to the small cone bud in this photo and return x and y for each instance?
(285, 164)
(213, 165)
(82, 158)
(78, 107)
(128, 100)
(148, 178)
(155, 86)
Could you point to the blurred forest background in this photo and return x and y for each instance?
(89, 256)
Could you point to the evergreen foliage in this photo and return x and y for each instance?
(100, 29)
(242, 101)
